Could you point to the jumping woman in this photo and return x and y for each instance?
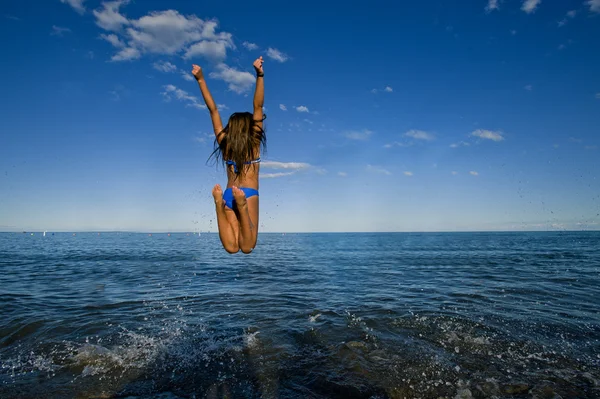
(238, 146)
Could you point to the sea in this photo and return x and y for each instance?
(365, 315)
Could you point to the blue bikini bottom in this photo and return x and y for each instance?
(228, 195)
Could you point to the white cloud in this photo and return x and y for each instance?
(109, 17)
(292, 166)
(529, 6)
(302, 108)
(528, 87)
(388, 89)
(284, 165)
(342, 174)
(492, 5)
(513, 32)
(182, 95)
(407, 173)
(76, 4)
(377, 169)
(488, 135)
(454, 173)
(113, 39)
(163, 32)
(358, 135)
(164, 66)
(250, 46)
(12, 17)
(374, 91)
(282, 107)
(419, 135)
(308, 121)
(460, 144)
(274, 175)
(187, 76)
(598, 95)
(591, 147)
(127, 54)
(594, 5)
(474, 173)
(59, 30)
(238, 81)
(212, 50)
(276, 55)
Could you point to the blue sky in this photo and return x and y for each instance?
(415, 116)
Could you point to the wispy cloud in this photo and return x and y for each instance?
(171, 91)
(284, 165)
(250, 46)
(274, 175)
(8, 16)
(118, 92)
(460, 144)
(164, 66)
(358, 134)
(163, 32)
(342, 174)
(113, 39)
(598, 95)
(474, 173)
(377, 169)
(492, 5)
(282, 107)
(302, 108)
(529, 6)
(187, 76)
(238, 81)
(488, 135)
(397, 144)
(591, 147)
(76, 4)
(203, 138)
(454, 173)
(59, 31)
(276, 55)
(594, 5)
(419, 135)
(570, 15)
(386, 89)
(407, 173)
(528, 87)
(292, 167)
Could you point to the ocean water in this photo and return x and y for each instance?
(451, 315)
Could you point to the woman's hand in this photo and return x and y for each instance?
(197, 72)
(258, 66)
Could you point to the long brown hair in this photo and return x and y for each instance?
(241, 135)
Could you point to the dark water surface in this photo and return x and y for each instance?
(306, 316)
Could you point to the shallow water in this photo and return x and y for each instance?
(305, 316)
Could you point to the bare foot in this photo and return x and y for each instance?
(217, 193)
(240, 198)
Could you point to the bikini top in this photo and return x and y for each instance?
(235, 168)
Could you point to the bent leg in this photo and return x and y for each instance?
(247, 213)
(227, 231)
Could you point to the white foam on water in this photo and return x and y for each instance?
(314, 318)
